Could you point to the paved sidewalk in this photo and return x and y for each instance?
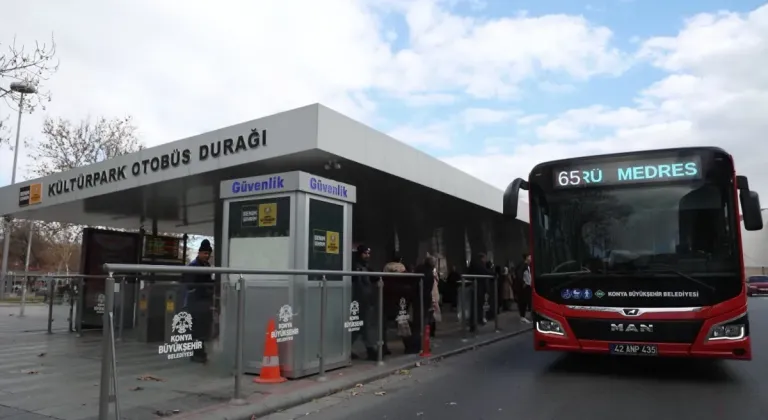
(275, 398)
(57, 377)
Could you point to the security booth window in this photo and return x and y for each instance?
(326, 226)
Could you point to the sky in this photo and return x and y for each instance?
(492, 87)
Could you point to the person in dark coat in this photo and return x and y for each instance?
(478, 266)
(364, 292)
(199, 300)
(523, 283)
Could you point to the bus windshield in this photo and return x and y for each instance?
(683, 232)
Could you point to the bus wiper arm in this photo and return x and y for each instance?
(679, 274)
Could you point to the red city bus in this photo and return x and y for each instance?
(640, 253)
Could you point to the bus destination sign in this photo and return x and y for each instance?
(627, 172)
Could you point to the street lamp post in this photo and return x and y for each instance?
(23, 88)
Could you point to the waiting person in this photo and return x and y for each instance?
(523, 282)
(199, 300)
(505, 279)
(364, 292)
(478, 266)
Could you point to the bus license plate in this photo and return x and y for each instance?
(634, 349)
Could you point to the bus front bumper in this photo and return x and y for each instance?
(566, 341)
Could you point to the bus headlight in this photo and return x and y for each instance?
(733, 329)
(545, 325)
(726, 332)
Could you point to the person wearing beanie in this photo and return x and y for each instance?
(199, 300)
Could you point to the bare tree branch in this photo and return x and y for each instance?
(66, 145)
(20, 64)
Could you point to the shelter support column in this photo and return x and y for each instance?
(455, 246)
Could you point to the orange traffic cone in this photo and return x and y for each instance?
(270, 364)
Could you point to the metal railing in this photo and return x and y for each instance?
(76, 299)
(108, 372)
(474, 321)
(108, 384)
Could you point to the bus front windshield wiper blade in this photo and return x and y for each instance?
(677, 273)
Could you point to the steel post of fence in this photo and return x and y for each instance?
(474, 306)
(122, 309)
(496, 303)
(237, 398)
(463, 310)
(106, 348)
(51, 289)
(380, 320)
(113, 356)
(23, 293)
(71, 321)
(421, 310)
(323, 303)
(80, 304)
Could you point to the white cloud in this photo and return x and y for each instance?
(715, 94)
(472, 117)
(182, 68)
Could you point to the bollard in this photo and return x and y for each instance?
(426, 350)
(496, 303)
(237, 398)
(421, 309)
(51, 289)
(380, 343)
(323, 303)
(106, 348)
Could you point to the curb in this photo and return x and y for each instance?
(263, 408)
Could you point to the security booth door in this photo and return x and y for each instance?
(260, 237)
(326, 230)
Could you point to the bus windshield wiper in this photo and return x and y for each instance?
(677, 273)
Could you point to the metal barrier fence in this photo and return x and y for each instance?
(111, 334)
(75, 298)
(474, 278)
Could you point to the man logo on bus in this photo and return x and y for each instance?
(631, 312)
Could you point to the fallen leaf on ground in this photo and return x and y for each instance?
(380, 393)
(359, 386)
(404, 372)
(150, 378)
(31, 372)
(355, 393)
(137, 388)
(41, 355)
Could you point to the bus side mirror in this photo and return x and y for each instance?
(750, 210)
(511, 197)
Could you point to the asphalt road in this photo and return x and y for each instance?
(509, 380)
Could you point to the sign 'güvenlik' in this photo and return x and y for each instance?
(176, 158)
